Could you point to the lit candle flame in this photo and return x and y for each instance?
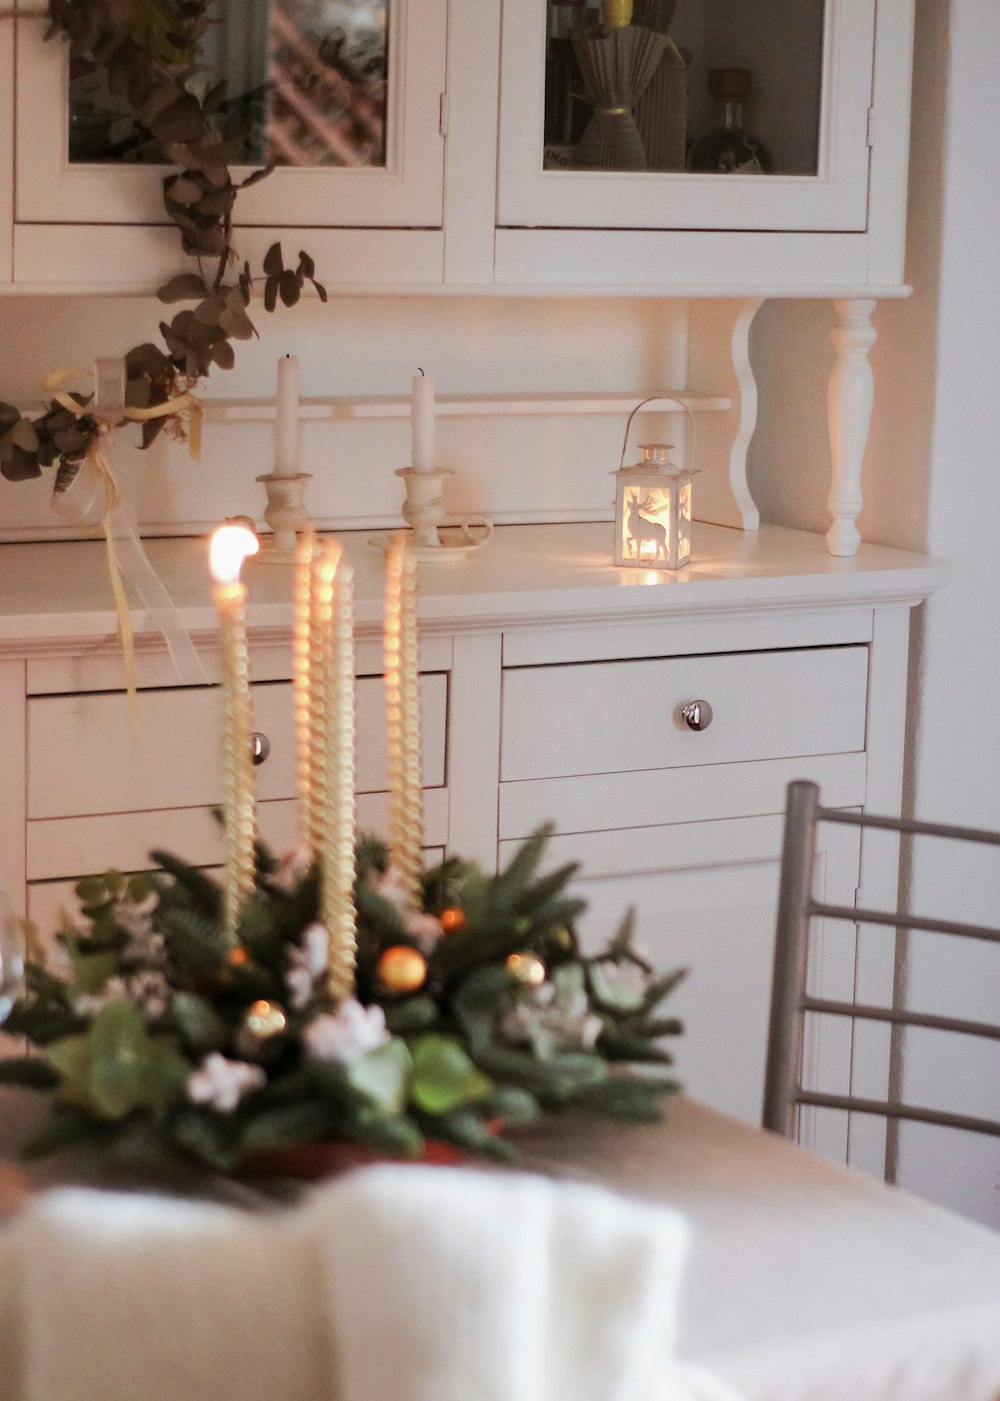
(229, 547)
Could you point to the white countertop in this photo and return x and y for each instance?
(59, 591)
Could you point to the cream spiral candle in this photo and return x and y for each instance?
(302, 681)
(337, 843)
(402, 694)
(229, 547)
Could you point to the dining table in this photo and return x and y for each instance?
(803, 1280)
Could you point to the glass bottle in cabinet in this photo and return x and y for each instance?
(728, 149)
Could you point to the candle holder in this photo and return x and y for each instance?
(423, 511)
(286, 514)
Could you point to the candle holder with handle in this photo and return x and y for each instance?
(423, 511)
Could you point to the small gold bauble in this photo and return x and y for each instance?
(238, 956)
(402, 969)
(562, 939)
(527, 968)
(453, 920)
(263, 1019)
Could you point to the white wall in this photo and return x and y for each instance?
(514, 468)
(931, 481)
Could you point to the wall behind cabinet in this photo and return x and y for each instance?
(931, 483)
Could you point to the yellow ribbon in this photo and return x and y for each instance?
(612, 111)
(52, 385)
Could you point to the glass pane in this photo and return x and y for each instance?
(703, 86)
(305, 85)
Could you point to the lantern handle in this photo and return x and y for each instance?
(652, 400)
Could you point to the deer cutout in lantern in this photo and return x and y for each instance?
(642, 530)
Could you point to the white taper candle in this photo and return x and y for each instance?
(422, 410)
(286, 428)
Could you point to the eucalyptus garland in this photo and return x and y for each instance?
(474, 1012)
(149, 51)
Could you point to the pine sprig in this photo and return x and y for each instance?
(171, 1039)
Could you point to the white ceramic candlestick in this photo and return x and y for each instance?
(286, 512)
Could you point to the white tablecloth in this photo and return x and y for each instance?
(804, 1283)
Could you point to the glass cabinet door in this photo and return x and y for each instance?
(313, 88)
(685, 114)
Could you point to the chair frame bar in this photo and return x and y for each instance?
(783, 1091)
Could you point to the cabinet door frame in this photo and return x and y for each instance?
(834, 200)
(6, 149)
(407, 193)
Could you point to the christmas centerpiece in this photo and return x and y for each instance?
(341, 994)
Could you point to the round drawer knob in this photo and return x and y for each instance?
(260, 747)
(697, 714)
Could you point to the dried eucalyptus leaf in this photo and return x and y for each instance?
(306, 266)
(185, 287)
(164, 96)
(270, 294)
(288, 286)
(224, 355)
(210, 310)
(180, 189)
(320, 290)
(21, 467)
(8, 415)
(236, 323)
(23, 435)
(146, 360)
(182, 121)
(274, 264)
(138, 393)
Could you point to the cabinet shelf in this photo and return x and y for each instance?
(465, 406)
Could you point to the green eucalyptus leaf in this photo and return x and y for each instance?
(444, 1077)
(70, 1056)
(117, 1044)
(92, 970)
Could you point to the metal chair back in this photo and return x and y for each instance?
(790, 1002)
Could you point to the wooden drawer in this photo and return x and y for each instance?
(84, 758)
(614, 717)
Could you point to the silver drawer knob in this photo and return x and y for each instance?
(260, 747)
(697, 714)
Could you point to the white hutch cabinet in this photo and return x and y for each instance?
(459, 194)
(551, 690)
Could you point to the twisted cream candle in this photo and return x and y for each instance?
(229, 547)
(337, 845)
(302, 681)
(402, 694)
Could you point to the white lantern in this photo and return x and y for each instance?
(653, 512)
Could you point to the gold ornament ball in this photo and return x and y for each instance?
(238, 956)
(402, 969)
(453, 920)
(527, 968)
(263, 1020)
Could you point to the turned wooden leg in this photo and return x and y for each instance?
(849, 405)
